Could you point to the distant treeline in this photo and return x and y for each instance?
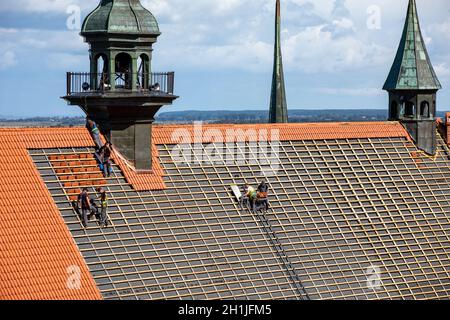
(43, 122)
(260, 116)
(220, 116)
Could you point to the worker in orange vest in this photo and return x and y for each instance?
(263, 194)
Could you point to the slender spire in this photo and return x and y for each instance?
(412, 68)
(278, 106)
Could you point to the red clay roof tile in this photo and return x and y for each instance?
(37, 248)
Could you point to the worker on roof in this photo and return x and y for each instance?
(95, 133)
(106, 159)
(250, 192)
(263, 194)
(103, 198)
(84, 202)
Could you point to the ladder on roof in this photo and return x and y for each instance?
(290, 270)
(276, 244)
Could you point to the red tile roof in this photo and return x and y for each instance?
(143, 181)
(36, 246)
(77, 171)
(168, 134)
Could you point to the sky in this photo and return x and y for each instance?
(336, 53)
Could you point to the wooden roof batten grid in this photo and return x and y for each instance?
(384, 152)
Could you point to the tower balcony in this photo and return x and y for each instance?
(86, 83)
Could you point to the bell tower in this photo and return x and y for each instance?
(120, 92)
(412, 85)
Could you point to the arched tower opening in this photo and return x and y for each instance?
(143, 65)
(102, 72)
(124, 69)
(425, 109)
(410, 109)
(393, 114)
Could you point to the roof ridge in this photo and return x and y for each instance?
(350, 123)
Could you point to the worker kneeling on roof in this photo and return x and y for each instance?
(250, 192)
(263, 194)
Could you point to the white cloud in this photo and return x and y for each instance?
(7, 59)
(325, 41)
(344, 23)
(65, 41)
(251, 56)
(184, 11)
(316, 50)
(63, 50)
(443, 29)
(224, 34)
(36, 39)
(442, 70)
(213, 34)
(6, 31)
(65, 61)
(43, 6)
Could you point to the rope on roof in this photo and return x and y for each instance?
(127, 163)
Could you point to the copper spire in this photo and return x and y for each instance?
(278, 106)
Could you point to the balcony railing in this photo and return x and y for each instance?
(100, 82)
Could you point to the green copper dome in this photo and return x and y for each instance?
(120, 16)
(412, 68)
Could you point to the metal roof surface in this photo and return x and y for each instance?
(120, 16)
